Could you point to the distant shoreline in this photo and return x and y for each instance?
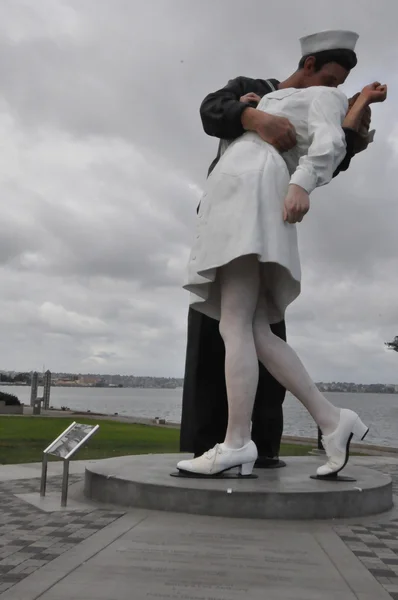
(116, 387)
(95, 387)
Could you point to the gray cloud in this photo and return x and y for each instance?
(103, 158)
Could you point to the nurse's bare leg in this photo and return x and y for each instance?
(239, 281)
(337, 425)
(284, 364)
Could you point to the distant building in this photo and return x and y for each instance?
(87, 380)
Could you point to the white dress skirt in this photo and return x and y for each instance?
(241, 211)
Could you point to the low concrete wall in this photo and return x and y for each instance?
(10, 410)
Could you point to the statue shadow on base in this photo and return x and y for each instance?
(335, 477)
(225, 475)
(186, 475)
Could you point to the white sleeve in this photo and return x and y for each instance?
(327, 140)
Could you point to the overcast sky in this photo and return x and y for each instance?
(103, 158)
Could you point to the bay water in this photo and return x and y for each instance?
(379, 411)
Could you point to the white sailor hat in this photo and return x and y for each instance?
(328, 40)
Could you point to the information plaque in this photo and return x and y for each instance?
(64, 447)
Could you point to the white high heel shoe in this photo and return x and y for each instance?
(337, 444)
(220, 459)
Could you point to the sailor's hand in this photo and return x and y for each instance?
(250, 97)
(366, 114)
(365, 121)
(363, 139)
(277, 131)
(297, 204)
(359, 116)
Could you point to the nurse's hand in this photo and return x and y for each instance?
(375, 92)
(297, 204)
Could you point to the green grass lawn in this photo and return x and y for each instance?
(23, 439)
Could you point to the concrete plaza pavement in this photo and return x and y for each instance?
(104, 552)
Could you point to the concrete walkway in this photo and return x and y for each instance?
(152, 555)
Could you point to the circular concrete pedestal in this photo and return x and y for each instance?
(144, 482)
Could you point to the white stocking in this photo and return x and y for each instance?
(248, 338)
(284, 364)
(239, 281)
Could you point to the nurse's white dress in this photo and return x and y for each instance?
(241, 211)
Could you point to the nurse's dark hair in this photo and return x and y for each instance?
(345, 58)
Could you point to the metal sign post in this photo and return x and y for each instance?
(65, 447)
(65, 481)
(43, 483)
